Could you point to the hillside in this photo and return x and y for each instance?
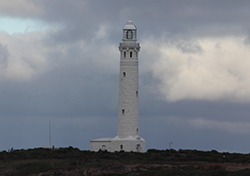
(72, 161)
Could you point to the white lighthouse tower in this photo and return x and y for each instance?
(128, 138)
(128, 114)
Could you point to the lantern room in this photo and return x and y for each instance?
(129, 32)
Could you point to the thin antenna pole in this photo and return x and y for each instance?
(50, 134)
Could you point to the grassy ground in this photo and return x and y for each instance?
(66, 161)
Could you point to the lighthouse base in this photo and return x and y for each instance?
(129, 144)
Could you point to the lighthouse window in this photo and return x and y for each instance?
(103, 147)
(124, 53)
(137, 93)
(137, 130)
(138, 147)
(131, 54)
(123, 111)
(124, 74)
(121, 147)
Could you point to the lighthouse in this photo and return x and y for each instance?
(128, 138)
(128, 113)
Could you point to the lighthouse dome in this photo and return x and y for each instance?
(130, 25)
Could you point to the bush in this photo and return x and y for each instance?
(30, 168)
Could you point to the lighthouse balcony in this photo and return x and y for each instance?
(129, 45)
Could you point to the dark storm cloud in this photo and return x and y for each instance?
(69, 90)
(81, 19)
(187, 109)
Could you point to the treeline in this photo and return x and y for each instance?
(152, 155)
(151, 163)
(199, 156)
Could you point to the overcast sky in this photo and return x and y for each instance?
(59, 61)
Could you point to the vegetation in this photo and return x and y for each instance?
(153, 162)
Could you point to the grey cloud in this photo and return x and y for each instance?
(188, 47)
(64, 92)
(162, 131)
(75, 84)
(185, 18)
(24, 8)
(246, 41)
(4, 55)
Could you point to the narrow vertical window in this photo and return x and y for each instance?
(121, 147)
(103, 147)
(137, 93)
(124, 74)
(137, 130)
(124, 53)
(131, 54)
(123, 111)
(138, 147)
